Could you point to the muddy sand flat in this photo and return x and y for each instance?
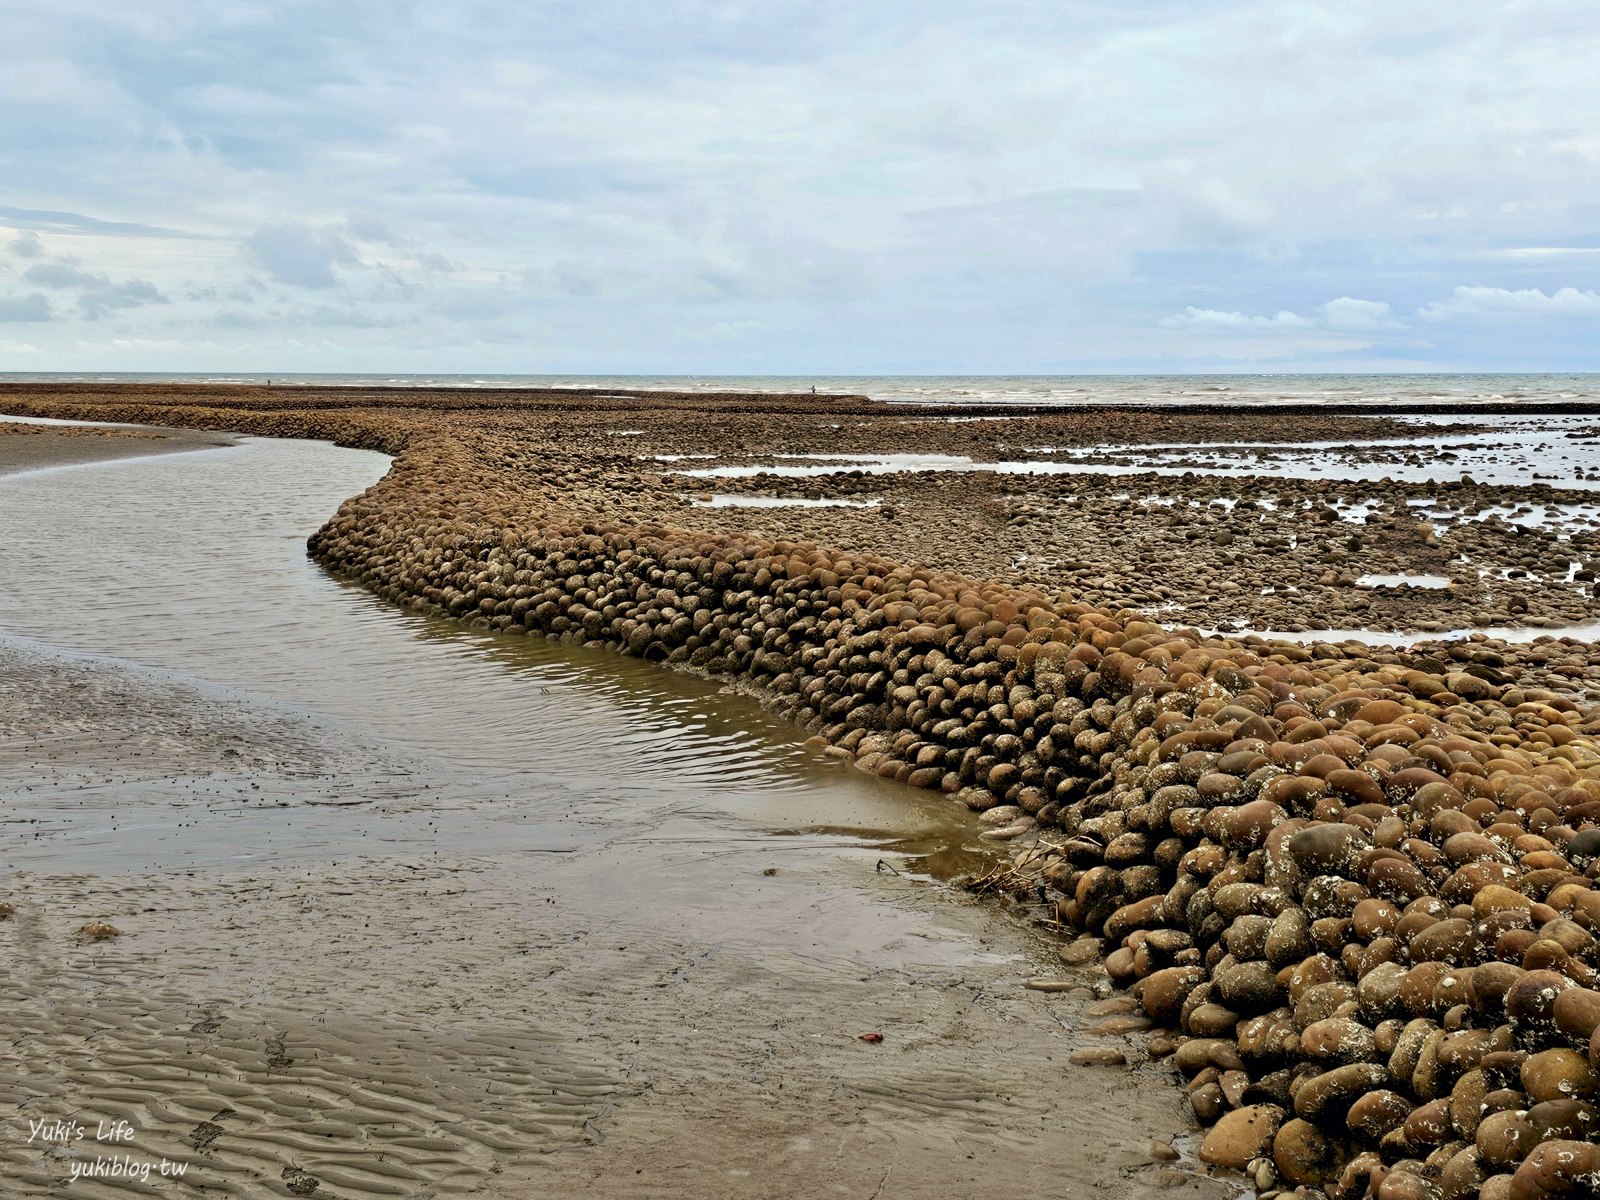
(31, 446)
(421, 1023)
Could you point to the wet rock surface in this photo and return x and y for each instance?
(1351, 887)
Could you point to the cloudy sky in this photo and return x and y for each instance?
(799, 186)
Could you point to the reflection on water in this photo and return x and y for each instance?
(196, 565)
(1403, 579)
(1514, 451)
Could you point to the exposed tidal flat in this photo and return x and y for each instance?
(1349, 888)
(407, 908)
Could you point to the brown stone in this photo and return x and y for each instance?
(1530, 1003)
(1304, 1155)
(1165, 991)
(1504, 1139)
(1559, 1168)
(1338, 1039)
(1376, 1113)
(1558, 1074)
(1327, 1097)
(1241, 1135)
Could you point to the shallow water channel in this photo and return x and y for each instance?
(194, 565)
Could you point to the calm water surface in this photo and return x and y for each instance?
(193, 566)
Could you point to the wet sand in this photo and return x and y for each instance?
(332, 979)
(29, 446)
(670, 1014)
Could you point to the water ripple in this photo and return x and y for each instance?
(196, 565)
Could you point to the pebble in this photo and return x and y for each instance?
(1098, 1056)
(1241, 1136)
(1120, 1025)
(1081, 952)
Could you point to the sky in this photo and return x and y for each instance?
(799, 186)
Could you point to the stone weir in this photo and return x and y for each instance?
(1362, 900)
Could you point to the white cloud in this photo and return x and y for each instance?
(301, 255)
(1344, 314)
(98, 296)
(99, 303)
(34, 307)
(1349, 313)
(1476, 301)
(1586, 146)
(26, 244)
(62, 275)
(1524, 255)
(1339, 327)
(787, 172)
(1211, 318)
(58, 82)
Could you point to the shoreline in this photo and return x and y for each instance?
(30, 447)
(1206, 790)
(521, 396)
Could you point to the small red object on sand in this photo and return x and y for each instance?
(871, 1037)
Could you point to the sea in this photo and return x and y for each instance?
(1407, 390)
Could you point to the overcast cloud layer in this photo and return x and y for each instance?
(779, 186)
